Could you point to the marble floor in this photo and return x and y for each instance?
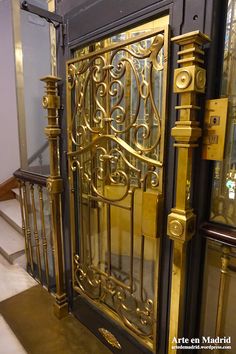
(9, 344)
(27, 322)
(13, 280)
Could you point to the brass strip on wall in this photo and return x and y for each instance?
(189, 81)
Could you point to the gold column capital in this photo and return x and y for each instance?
(194, 37)
(50, 79)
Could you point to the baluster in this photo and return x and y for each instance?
(44, 238)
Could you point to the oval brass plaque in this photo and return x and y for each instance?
(110, 338)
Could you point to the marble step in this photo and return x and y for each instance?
(9, 342)
(10, 211)
(12, 245)
(16, 192)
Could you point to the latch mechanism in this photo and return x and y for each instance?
(214, 129)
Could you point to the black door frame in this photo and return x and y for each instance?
(185, 16)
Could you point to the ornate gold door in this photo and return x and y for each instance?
(116, 99)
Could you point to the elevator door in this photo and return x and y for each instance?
(116, 111)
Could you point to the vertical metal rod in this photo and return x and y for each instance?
(27, 226)
(44, 238)
(99, 237)
(81, 236)
(142, 267)
(36, 234)
(225, 259)
(23, 222)
(109, 238)
(89, 231)
(132, 242)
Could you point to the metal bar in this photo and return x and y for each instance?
(142, 267)
(81, 236)
(27, 226)
(118, 45)
(110, 202)
(109, 239)
(99, 237)
(36, 234)
(47, 15)
(23, 222)
(132, 243)
(89, 232)
(43, 235)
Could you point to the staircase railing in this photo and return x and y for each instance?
(41, 210)
(37, 227)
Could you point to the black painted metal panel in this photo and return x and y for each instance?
(96, 18)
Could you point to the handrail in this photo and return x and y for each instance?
(31, 177)
(216, 232)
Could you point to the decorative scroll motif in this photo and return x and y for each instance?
(110, 338)
(116, 99)
(99, 82)
(136, 315)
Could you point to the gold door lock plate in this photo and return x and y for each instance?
(214, 129)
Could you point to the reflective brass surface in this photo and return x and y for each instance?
(116, 101)
(189, 81)
(51, 102)
(214, 129)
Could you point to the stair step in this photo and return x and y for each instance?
(12, 243)
(16, 191)
(20, 261)
(10, 211)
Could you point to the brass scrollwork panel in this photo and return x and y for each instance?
(116, 98)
